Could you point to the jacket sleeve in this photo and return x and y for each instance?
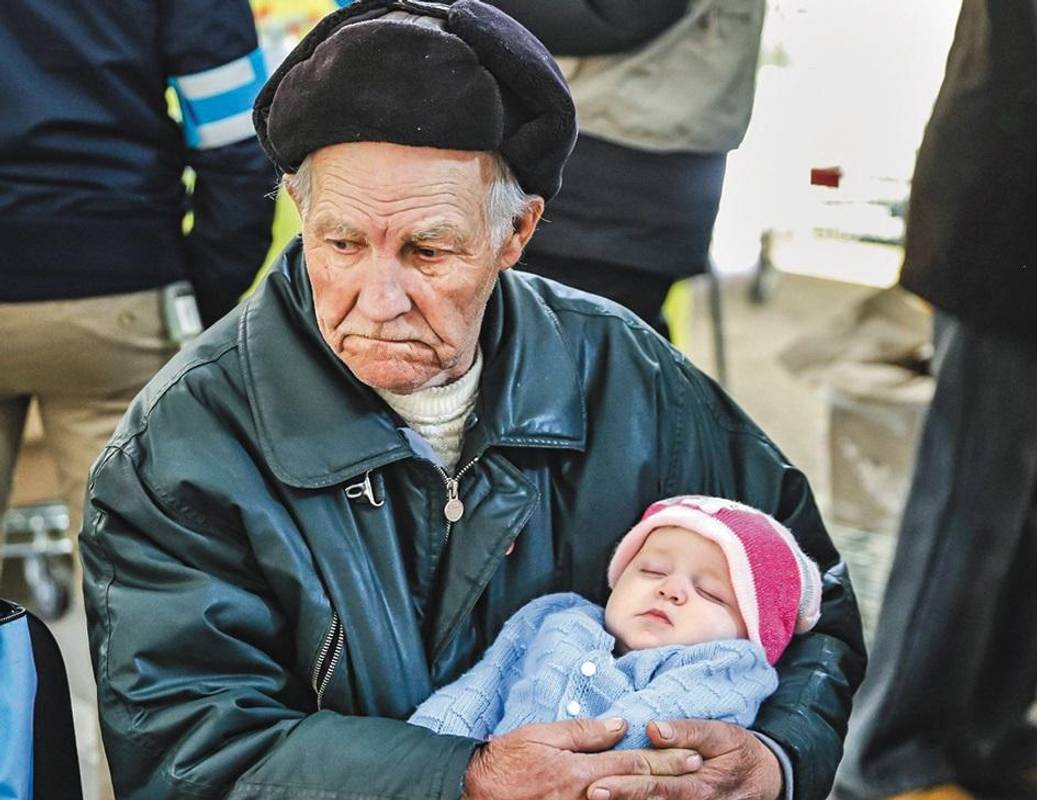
(821, 670)
(190, 647)
(473, 705)
(213, 62)
(594, 27)
(729, 686)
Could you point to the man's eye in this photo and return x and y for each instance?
(428, 252)
(343, 245)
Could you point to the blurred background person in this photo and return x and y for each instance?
(943, 711)
(92, 203)
(663, 90)
(97, 272)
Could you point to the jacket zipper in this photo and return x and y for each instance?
(321, 675)
(453, 510)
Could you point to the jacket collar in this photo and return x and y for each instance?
(318, 425)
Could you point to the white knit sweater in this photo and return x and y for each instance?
(438, 414)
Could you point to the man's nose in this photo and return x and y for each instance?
(382, 296)
(673, 589)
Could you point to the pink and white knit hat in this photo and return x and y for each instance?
(777, 586)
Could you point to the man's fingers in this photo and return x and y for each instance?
(676, 761)
(669, 762)
(708, 737)
(659, 788)
(578, 735)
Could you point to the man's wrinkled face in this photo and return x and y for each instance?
(676, 590)
(400, 257)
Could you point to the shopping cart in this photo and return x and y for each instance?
(37, 535)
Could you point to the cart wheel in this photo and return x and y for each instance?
(765, 276)
(49, 589)
(763, 286)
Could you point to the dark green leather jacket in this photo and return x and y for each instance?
(262, 621)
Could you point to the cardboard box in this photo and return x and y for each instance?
(876, 414)
(873, 364)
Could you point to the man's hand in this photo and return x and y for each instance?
(736, 766)
(560, 760)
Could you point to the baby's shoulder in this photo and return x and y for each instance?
(538, 610)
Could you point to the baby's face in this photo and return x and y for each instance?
(676, 590)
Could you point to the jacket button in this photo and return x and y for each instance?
(588, 668)
(573, 708)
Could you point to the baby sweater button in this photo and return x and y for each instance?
(588, 668)
(573, 708)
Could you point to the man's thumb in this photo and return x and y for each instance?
(711, 738)
(579, 735)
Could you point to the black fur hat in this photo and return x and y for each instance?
(460, 76)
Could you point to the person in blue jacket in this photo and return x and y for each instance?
(97, 271)
(706, 594)
(93, 201)
(37, 737)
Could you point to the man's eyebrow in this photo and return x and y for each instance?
(324, 224)
(440, 231)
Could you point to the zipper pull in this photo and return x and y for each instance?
(454, 508)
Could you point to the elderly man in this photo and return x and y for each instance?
(329, 504)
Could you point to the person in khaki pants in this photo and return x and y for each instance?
(92, 203)
(83, 360)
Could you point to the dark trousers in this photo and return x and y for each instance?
(642, 292)
(954, 665)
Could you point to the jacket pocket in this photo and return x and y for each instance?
(327, 659)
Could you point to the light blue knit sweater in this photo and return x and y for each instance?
(553, 660)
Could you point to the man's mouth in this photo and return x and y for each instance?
(659, 614)
(359, 340)
(383, 339)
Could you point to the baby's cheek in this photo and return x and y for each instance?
(614, 626)
(736, 626)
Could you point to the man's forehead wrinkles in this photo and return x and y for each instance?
(417, 181)
(406, 216)
(397, 202)
(375, 203)
(409, 224)
(330, 214)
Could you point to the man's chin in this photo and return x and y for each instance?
(400, 372)
(397, 381)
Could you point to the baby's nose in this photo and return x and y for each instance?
(673, 589)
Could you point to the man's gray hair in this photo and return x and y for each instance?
(506, 202)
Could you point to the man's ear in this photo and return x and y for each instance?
(525, 224)
(293, 192)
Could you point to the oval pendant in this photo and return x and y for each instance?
(453, 510)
